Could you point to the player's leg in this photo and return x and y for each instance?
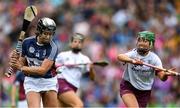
(133, 97)
(71, 99)
(39, 85)
(49, 92)
(62, 104)
(143, 97)
(130, 100)
(33, 99)
(127, 94)
(32, 93)
(49, 99)
(67, 95)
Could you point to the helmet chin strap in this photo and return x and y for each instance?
(76, 50)
(143, 51)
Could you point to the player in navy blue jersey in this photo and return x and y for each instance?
(37, 63)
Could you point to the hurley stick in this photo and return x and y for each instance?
(29, 14)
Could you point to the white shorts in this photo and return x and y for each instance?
(22, 104)
(40, 84)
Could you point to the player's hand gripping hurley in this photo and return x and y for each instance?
(162, 69)
(29, 14)
(170, 71)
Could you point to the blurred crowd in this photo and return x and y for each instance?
(111, 27)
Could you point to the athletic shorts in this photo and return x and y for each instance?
(65, 86)
(40, 84)
(22, 104)
(142, 96)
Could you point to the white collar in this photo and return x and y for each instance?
(39, 44)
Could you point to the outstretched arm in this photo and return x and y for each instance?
(125, 58)
(162, 75)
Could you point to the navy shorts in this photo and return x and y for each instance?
(142, 96)
(65, 86)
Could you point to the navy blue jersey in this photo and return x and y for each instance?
(35, 54)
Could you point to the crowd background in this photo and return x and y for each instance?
(110, 27)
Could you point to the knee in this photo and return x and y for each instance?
(78, 104)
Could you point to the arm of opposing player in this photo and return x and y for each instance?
(161, 75)
(127, 58)
(124, 58)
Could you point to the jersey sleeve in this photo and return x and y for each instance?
(52, 51)
(157, 61)
(59, 60)
(23, 49)
(130, 53)
(87, 67)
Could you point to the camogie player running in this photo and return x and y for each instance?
(137, 82)
(39, 53)
(69, 76)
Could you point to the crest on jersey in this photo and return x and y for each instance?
(31, 49)
(37, 54)
(44, 52)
